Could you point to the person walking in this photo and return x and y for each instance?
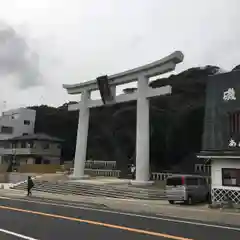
(133, 171)
(30, 185)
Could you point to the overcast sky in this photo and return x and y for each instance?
(46, 43)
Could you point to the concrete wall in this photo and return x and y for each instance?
(39, 168)
(3, 168)
(216, 171)
(3, 177)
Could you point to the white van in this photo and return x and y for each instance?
(187, 189)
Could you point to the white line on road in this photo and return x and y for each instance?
(5, 198)
(158, 217)
(16, 234)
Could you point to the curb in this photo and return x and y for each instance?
(117, 201)
(141, 206)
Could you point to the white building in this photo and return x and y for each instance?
(17, 122)
(221, 138)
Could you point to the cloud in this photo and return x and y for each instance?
(77, 41)
(17, 59)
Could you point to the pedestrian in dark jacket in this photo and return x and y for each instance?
(30, 185)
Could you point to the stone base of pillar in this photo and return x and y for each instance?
(141, 183)
(73, 177)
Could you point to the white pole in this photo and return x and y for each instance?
(82, 136)
(142, 138)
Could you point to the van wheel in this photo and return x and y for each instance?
(189, 201)
(171, 201)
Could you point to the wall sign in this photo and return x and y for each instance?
(233, 143)
(229, 95)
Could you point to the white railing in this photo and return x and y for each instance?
(17, 151)
(157, 176)
(219, 194)
(97, 168)
(103, 172)
(116, 173)
(27, 151)
(100, 164)
(203, 168)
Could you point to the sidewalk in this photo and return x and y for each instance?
(156, 207)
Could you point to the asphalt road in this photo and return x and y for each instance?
(42, 220)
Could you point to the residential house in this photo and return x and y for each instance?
(31, 149)
(15, 123)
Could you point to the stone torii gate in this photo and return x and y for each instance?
(143, 93)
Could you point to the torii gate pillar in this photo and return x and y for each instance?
(142, 95)
(82, 137)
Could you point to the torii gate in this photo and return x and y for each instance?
(143, 93)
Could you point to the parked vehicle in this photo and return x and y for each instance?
(187, 189)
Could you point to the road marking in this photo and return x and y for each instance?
(5, 198)
(158, 217)
(16, 234)
(135, 230)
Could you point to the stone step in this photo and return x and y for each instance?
(97, 187)
(98, 193)
(94, 190)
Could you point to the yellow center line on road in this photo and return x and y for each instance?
(134, 230)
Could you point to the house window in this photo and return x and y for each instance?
(5, 144)
(230, 177)
(234, 122)
(30, 144)
(23, 144)
(26, 122)
(25, 134)
(14, 145)
(6, 130)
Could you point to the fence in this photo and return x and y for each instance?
(93, 164)
(108, 169)
(155, 176)
(203, 169)
(103, 172)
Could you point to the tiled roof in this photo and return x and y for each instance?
(36, 136)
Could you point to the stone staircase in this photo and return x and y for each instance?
(111, 191)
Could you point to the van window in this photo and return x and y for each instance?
(192, 181)
(174, 181)
(202, 181)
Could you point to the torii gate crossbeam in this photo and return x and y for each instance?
(142, 95)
